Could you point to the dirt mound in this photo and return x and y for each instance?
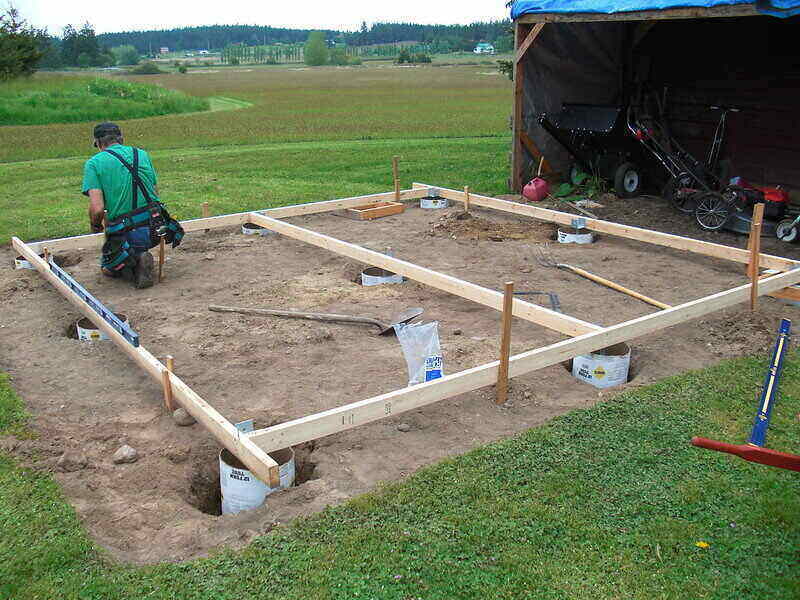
(460, 225)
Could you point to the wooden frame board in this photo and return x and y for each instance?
(374, 210)
(252, 448)
(735, 10)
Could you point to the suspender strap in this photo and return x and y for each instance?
(136, 181)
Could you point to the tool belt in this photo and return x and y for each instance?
(153, 215)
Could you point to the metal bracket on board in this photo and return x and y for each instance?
(579, 222)
(108, 316)
(247, 426)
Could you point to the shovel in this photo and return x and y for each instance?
(404, 317)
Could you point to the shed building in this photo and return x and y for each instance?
(698, 54)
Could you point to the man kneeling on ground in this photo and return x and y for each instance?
(123, 201)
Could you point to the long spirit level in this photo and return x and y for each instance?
(108, 316)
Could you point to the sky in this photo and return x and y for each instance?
(114, 15)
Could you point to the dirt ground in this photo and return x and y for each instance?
(87, 399)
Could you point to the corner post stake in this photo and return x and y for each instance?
(755, 252)
(466, 199)
(161, 258)
(505, 345)
(206, 213)
(168, 401)
(396, 175)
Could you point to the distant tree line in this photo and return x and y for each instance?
(211, 37)
(441, 38)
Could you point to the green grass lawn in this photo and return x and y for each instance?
(604, 503)
(41, 199)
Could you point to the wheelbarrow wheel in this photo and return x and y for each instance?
(786, 231)
(680, 193)
(627, 181)
(712, 211)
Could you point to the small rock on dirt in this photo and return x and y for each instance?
(404, 427)
(70, 462)
(125, 454)
(457, 332)
(183, 418)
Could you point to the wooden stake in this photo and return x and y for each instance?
(755, 252)
(466, 199)
(46, 253)
(162, 246)
(206, 213)
(505, 345)
(168, 401)
(396, 174)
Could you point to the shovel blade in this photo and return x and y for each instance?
(406, 316)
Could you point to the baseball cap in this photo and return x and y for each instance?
(104, 129)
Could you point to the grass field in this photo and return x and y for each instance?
(57, 99)
(294, 104)
(609, 502)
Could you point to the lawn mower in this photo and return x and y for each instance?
(702, 189)
(754, 450)
(595, 136)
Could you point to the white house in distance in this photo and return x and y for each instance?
(484, 48)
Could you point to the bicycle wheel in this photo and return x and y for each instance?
(680, 193)
(712, 211)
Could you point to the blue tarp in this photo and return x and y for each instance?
(777, 8)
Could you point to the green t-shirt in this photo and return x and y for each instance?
(105, 172)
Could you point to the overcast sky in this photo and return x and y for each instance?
(118, 15)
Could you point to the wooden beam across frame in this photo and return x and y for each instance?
(736, 10)
(648, 236)
(453, 285)
(95, 240)
(352, 415)
(223, 430)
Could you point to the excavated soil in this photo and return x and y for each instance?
(87, 399)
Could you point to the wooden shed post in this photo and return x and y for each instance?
(519, 79)
(524, 36)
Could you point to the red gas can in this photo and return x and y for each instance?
(536, 190)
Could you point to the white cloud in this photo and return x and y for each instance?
(110, 16)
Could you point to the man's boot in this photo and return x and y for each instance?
(143, 271)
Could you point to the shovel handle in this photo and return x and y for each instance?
(615, 286)
(751, 453)
(291, 314)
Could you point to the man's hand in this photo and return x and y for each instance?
(96, 210)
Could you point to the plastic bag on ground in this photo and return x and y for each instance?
(423, 354)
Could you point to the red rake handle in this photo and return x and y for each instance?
(755, 454)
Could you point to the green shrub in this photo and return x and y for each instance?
(233, 61)
(146, 68)
(338, 57)
(182, 69)
(355, 60)
(404, 57)
(316, 50)
(421, 58)
(125, 55)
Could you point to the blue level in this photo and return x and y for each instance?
(758, 435)
(109, 317)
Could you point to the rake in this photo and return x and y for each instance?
(546, 259)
